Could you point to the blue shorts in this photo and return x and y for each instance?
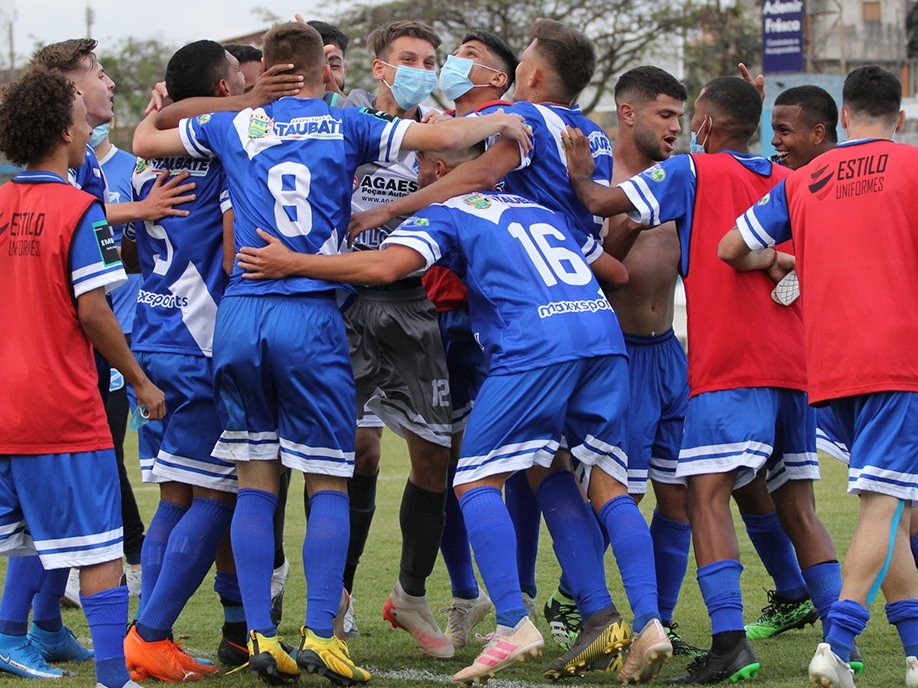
(65, 507)
(658, 370)
(284, 383)
(465, 362)
(828, 435)
(178, 448)
(882, 431)
(519, 419)
(745, 429)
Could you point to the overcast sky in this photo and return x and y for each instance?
(177, 21)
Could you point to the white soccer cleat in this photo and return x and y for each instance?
(911, 672)
(827, 670)
(413, 615)
(463, 616)
(502, 651)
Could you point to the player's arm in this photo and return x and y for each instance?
(609, 271)
(598, 199)
(272, 84)
(461, 132)
(734, 251)
(760, 228)
(101, 326)
(229, 247)
(480, 174)
(275, 261)
(150, 142)
(159, 202)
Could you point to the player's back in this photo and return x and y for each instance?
(290, 169)
(532, 297)
(542, 175)
(181, 260)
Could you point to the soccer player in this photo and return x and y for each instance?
(747, 408)
(556, 366)
(249, 58)
(397, 352)
(844, 210)
(58, 256)
(650, 104)
(337, 61)
(181, 261)
(289, 168)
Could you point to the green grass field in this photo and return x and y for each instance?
(390, 654)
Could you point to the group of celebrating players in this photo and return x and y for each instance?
(502, 298)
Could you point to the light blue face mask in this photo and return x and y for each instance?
(411, 85)
(454, 77)
(697, 148)
(99, 134)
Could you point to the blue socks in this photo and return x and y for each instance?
(823, 582)
(913, 543)
(46, 605)
(527, 519)
(633, 550)
(107, 614)
(493, 538)
(848, 620)
(720, 588)
(572, 527)
(904, 616)
(188, 557)
(324, 553)
(454, 546)
(777, 554)
(671, 542)
(24, 578)
(252, 533)
(154, 546)
(226, 585)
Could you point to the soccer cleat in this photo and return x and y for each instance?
(129, 684)
(463, 616)
(780, 615)
(828, 670)
(232, 654)
(649, 651)
(329, 657)
(563, 619)
(413, 614)
(60, 646)
(532, 608)
(737, 665)
(19, 656)
(855, 660)
(350, 620)
(278, 585)
(270, 661)
(71, 597)
(608, 664)
(680, 647)
(162, 660)
(911, 672)
(603, 633)
(502, 651)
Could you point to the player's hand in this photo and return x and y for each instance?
(274, 83)
(514, 127)
(159, 98)
(434, 117)
(783, 264)
(165, 195)
(365, 221)
(268, 262)
(580, 163)
(152, 397)
(758, 82)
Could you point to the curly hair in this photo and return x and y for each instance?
(34, 111)
(66, 55)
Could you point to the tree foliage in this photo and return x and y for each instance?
(622, 30)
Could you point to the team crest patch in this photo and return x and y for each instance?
(259, 125)
(203, 119)
(657, 173)
(141, 166)
(477, 201)
(417, 222)
(764, 200)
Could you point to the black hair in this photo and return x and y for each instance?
(195, 70)
(874, 92)
(35, 110)
(243, 53)
(737, 102)
(816, 107)
(643, 84)
(499, 47)
(331, 34)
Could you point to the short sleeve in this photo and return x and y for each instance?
(196, 134)
(767, 222)
(431, 233)
(374, 139)
(663, 192)
(94, 258)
